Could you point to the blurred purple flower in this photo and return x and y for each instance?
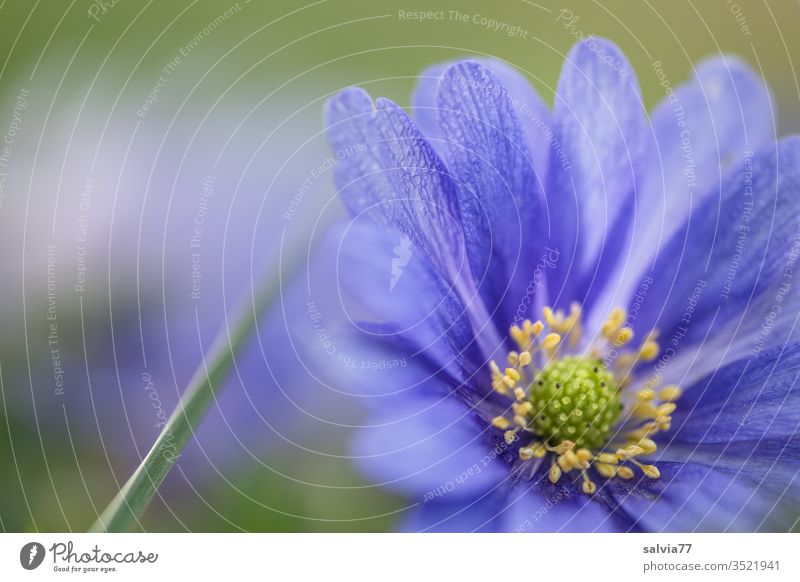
(140, 238)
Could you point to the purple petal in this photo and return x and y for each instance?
(710, 122)
(689, 497)
(383, 277)
(729, 252)
(538, 506)
(386, 165)
(702, 130)
(601, 125)
(467, 515)
(499, 195)
(429, 448)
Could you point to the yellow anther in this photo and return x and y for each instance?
(539, 450)
(651, 471)
(648, 445)
(645, 394)
(671, 393)
(589, 487)
(607, 458)
(525, 359)
(513, 374)
(536, 328)
(509, 436)
(666, 409)
(564, 446)
(555, 474)
(649, 351)
(624, 336)
(622, 454)
(509, 381)
(564, 463)
(584, 455)
(518, 335)
(500, 422)
(616, 320)
(495, 368)
(522, 408)
(525, 453)
(519, 393)
(520, 421)
(625, 472)
(573, 460)
(513, 358)
(549, 316)
(634, 450)
(606, 471)
(643, 410)
(550, 341)
(499, 386)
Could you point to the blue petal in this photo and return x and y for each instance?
(701, 130)
(531, 110)
(389, 169)
(601, 125)
(750, 400)
(539, 506)
(467, 515)
(429, 448)
(734, 449)
(533, 114)
(384, 278)
(424, 103)
(499, 195)
(689, 497)
(729, 252)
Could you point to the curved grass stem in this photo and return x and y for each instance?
(126, 507)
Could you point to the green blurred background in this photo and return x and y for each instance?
(86, 69)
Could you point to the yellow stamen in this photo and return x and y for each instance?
(666, 409)
(500, 422)
(625, 472)
(607, 458)
(550, 341)
(649, 351)
(646, 394)
(606, 471)
(623, 336)
(555, 474)
(648, 445)
(671, 393)
(650, 470)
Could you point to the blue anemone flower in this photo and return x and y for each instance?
(579, 318)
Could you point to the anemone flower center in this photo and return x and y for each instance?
(575, 398)
(571, 400)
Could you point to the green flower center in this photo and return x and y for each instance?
(575, 398)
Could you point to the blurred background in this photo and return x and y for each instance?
(158, 160)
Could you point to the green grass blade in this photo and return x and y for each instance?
(126, 507)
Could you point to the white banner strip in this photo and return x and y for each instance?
(401, 557)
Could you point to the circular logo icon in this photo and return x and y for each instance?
(31, 555)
